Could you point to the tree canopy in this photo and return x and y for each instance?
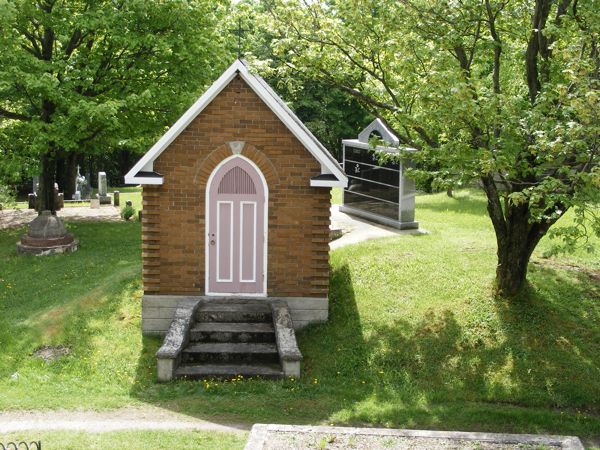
(88, 76)
(504, 93)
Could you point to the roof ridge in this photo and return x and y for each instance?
(329, 164)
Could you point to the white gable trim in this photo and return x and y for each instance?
(386, 134)
(328, 164)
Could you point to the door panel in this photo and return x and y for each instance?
(236, 234)
(248, 241)
(225, 243)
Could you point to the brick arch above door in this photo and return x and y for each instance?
(204, 167)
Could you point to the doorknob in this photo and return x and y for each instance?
(212, 242)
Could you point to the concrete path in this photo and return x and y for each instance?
(130, 418)
(10, 218)
(357, 230)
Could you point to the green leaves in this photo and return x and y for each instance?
(96, 75)
(504, 94)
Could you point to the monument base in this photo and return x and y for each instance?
(24, 249)
(105, 199)
(407, 225)
(46, 236)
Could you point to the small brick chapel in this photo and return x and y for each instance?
(236, 198)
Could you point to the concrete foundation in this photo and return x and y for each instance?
(264, 434)
(158, 311)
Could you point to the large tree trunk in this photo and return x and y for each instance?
(66, 173)
(514, 252)
(48, 176)
(516, 238)
(46, 190)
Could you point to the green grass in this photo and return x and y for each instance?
(336, 196)
(76, 440)
(133, 193)
(415, 337)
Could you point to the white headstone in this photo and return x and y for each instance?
(102, 187)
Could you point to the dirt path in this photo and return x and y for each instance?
(130, 418)
(10, 218)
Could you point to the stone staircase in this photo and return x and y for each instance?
(225, 338)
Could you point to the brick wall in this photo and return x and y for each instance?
(173, 226)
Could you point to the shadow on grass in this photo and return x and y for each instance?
(462, 203)
(518, 372)
(532, 367)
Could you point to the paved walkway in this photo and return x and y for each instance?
(10, 218)
(130, 418)
(357, 230)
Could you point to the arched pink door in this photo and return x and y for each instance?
(236, 229)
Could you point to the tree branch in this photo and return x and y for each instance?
(14, 116)
(494, 206)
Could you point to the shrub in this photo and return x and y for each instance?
(128, 212)
(7, 197)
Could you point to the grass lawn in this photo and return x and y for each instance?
(415, 337)
(76, 440)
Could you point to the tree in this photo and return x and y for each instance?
(87, 76)
(503, 92)
(330, 113)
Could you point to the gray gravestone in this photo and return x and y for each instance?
(116, 198)
(32, 201)
(59, 201)
(103, 189)
(86, 189)
(32, 198)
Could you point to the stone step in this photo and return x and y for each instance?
(251, 311)
(232, 332)
(236, 301)
(194, 371)
(230, 352)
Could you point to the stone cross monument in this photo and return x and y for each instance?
(79, 183)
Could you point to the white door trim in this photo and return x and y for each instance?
(207, 271)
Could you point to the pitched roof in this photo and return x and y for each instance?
(139, 174)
